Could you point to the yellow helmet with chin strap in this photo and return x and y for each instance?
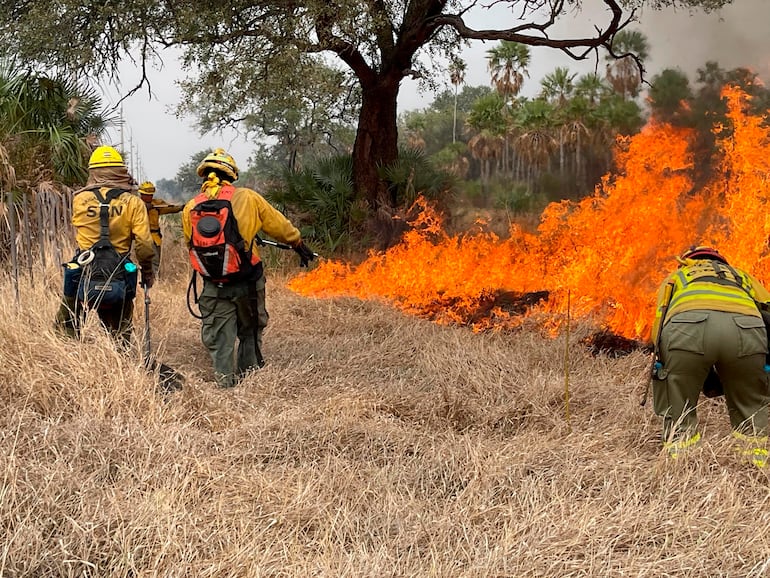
(147, 188)
(105, 156)
(218, 160)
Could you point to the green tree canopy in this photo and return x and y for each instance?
(670, 95)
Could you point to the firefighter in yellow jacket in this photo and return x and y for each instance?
(155, 208)
(108, 192)
(711, 319)
(232, 302)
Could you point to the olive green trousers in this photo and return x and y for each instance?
(694, 341)
(233, 311)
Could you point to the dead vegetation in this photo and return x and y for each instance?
(372, 444)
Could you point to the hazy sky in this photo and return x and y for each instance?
(738, 36)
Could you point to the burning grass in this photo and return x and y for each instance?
(372, 444)
(608, 252)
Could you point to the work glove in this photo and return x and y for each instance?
(305, 254)
(148, 277)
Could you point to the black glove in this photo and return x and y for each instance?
(148, 277)
(305, 254)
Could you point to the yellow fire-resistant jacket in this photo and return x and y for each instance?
(128, 222)
(155, 209)
(706, 284)
(254, 214)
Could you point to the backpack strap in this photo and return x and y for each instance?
(104, 210)
(721, 267)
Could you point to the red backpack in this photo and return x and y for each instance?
(217, 250)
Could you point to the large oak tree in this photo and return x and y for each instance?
(243, 51)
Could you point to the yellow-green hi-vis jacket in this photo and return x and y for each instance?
(711, 285)
(128, 223)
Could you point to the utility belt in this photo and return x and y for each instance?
(101, 284)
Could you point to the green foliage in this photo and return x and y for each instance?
(428, 130)
(322, 197)
(466, 98)
(288, 69)
(508, 63)
(488, 114)
(413, 175)
(515, 197)
(450, 159)
(44, 123)
(670, 95)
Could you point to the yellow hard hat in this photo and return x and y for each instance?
(218, 160)
(105, 156)
(147, 188)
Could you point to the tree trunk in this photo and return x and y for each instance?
(377, 144)
(454, 119)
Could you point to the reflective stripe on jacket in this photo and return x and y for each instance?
(710, 285)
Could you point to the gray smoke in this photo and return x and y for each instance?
(736, 36)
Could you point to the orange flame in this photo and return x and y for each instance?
(610, 251)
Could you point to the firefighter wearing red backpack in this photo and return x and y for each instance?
(221, 226)
(108, 219)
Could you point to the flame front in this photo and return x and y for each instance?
(609, 251)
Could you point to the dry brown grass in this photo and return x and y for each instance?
(372, 444)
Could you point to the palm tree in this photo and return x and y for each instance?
(487, 119)
(623, 73)
(558, 86)
(485, 146)
(534, 120)
(508, 63)
(46, 122)
(592, 87)
(456, 77)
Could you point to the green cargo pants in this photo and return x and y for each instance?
(156, 259)
(233, 311)
(691, 342)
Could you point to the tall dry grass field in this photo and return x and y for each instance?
(372, 444)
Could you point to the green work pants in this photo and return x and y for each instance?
(156, 259)
(233, 311)
(694, 341)
(117, 320)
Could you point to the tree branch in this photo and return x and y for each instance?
(527, 33)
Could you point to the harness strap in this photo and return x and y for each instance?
(104, 210)
(735, 274)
